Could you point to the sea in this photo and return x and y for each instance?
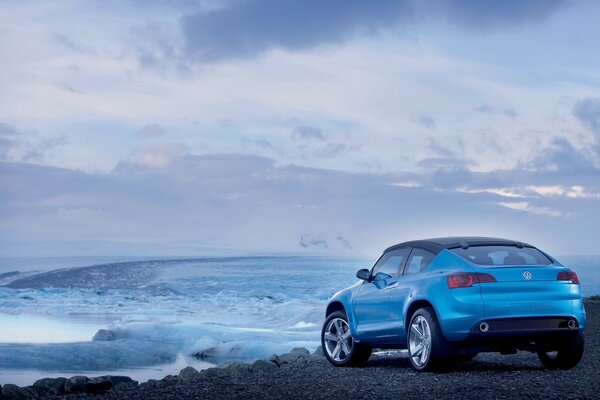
(148, 317)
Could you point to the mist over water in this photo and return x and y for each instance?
(150, 317)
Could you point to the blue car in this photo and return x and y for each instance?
(448, 299)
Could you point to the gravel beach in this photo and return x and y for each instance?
(387, 376)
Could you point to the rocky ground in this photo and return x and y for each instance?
(299, 375)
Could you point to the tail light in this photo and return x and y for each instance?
(568, 276)
(467, 279)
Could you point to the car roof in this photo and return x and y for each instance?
(436, 245)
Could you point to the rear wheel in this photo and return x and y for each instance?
(339, 347)
(427, 347)
(567, 355)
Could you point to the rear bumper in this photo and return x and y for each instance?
(524, 327)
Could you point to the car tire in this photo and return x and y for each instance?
(427, 347)
(567, 355)
(339, 346)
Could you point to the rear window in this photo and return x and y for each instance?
(503, 255)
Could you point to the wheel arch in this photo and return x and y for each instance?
(335, 306)
(414, 306)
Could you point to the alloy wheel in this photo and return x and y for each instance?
(419, 341)
(338, 340)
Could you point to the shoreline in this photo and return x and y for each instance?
(305, 371)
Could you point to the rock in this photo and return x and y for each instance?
(214, 373)
(189, 374)
(276, 360)
(152, 384)
(262, 365)
(55, 384)
(170, 379)
(105, 334)
(99, 384)
(75, 384)
(237, 368)
(13, 392)
(40, 392)
(294, 355)
(122, 381)
(318, 352)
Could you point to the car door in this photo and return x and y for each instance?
(403, 288)
(371, 302)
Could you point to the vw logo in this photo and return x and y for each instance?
(527, 275)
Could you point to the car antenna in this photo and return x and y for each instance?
(464, 245)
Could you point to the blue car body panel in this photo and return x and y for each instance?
(378, 311)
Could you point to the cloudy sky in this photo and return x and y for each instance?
(337, 127)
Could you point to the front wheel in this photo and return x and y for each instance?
(566, 356)
(427, 347)
(339, 347)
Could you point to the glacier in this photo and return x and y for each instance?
(155, 315)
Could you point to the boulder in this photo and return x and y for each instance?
(214, 373)
(40, 392)
(276, 360)
(99, 384)
(122, 382)
(189, 374)
(150, 384)
(75, 384)
(294, 355)
(237, 368)
(263, 365)
(13, 392)
(55, 384)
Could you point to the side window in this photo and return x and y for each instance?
(389, 264)
(418, 261)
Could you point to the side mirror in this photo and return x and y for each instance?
(363, 274)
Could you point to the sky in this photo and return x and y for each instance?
(337, 127)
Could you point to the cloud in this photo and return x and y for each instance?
(152, 130)
(243, 29)
(562, 157)
(505, 111)
(332, 150)
(14, 146)
(528, 207)
(260, 142)
(8, 140)
(510, 112)
(587, 111)
(426, 121)
(168, 198)
(345, 242)
(483, 109)
(36, 152)
(307, 241)
(160, 156)
(497, 14)
(66, 42)
(307, 133)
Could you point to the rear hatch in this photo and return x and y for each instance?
(526, 291)
(525, 282)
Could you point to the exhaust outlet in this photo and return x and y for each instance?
(484, 327)
(572, 324)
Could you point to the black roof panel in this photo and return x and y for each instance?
(438, 244)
